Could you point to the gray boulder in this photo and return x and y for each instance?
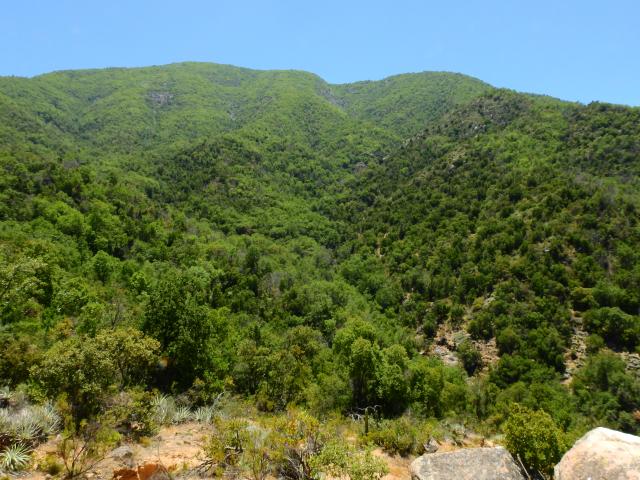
(493, 463)
(601, 454)
(123, 455)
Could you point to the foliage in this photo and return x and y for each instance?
(84, 446)
(28, 425)
(534, 438)
(399, 436)
(15, 457)
(607, 393)
(86, 370)
(198, 229)
(338, 459)
(470, 356)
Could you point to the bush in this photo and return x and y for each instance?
(607, 393)
(85, 445)
(619, 329)
(594, 343)
(534, 438)
(482, 326)
(396, 436)
(50, 465)
(470, 357)
(134, 414)
(338, 459)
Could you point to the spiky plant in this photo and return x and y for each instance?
(205, 414)
(5, 395)
(26, 430)
(15, 457)
(47, 419)
(182, 414)
(165, 409)
(5, 420)
(27, 425)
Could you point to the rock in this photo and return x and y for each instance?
(431, 446)
(148, 471)
(601, 454)
(470, 463)
(124, 455)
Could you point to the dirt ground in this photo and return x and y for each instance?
(178, 448)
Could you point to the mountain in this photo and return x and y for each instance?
(426, 243)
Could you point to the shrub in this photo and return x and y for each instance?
(594, 343)
(50, 465)
(470, 356)
(337, 459)
(534, 438)
(134, 413)
(83, 447)
(395, 436)
(27, 424)
(619, 329)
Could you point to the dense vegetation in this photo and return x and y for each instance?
(199, 229)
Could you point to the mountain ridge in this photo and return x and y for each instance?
(295, 243)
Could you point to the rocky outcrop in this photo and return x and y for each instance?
(148, 471)
(602, 454)
(470, 463)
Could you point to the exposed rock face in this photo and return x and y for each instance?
(148, 471)
(470, 463)
(602, 454)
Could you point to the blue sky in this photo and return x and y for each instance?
(577, 50)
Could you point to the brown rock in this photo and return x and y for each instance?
(148, 471)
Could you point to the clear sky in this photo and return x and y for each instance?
(573, 49)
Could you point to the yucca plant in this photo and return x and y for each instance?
(182, 414)
(15, 457)
(165, 409)
(25, 429)
(204, 414)
(5, 396)
(27, 425)
(47, 419)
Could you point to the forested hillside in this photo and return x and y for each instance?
(194, 229)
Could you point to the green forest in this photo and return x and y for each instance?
(173, 236)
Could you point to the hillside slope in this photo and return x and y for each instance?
(199, 228)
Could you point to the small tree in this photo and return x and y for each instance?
(534, 438)
(84, 445)
(470, 357)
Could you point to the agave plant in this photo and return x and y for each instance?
(47, 419)
(25, 429)
(27, 425)
(15, 457)
(165, 408)
(5, 396)
(5, 420)
(204, 414)
(182, 414)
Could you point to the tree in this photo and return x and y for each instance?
(364, 361)
(134, 355)
(470, 356)
(618, 328)
(87, 370)
(607, 393)
(79, 369)
(534, 438)
(190, 333)
(18, 283)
